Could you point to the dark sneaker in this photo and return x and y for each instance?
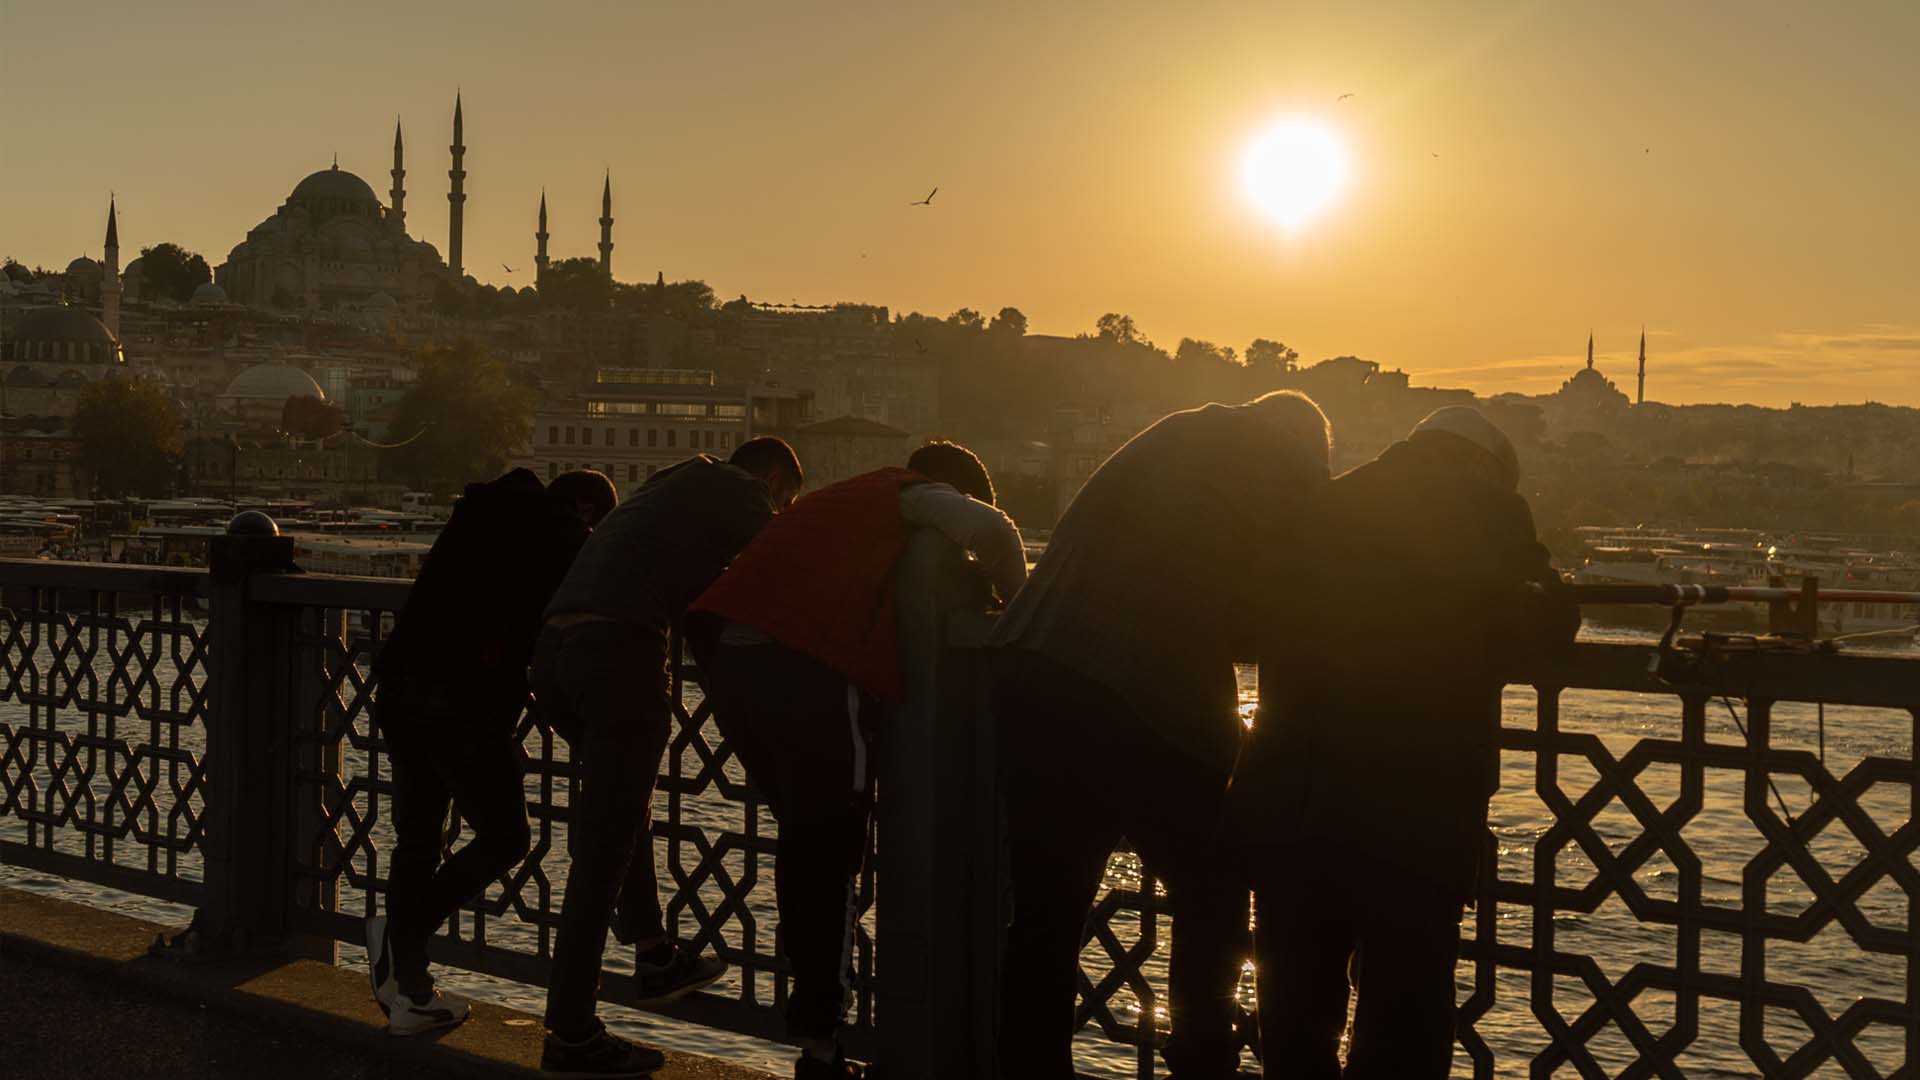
(386, 988)
(599, 1054)
(657, 984)
(411, 1016)
(812, 1068)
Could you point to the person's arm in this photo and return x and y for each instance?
(989, 534)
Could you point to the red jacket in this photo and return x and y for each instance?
(818, 579)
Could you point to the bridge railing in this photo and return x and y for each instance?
(1697, 892)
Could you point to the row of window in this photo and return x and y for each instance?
(633, 471)
(665, 408)
(696, 438)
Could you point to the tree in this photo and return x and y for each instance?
(683, 300)
(1010, 321)
(1117, 328)
(307, 417)
(468, 415)
(173, 272)
(450, 300)
(1192, 351)
(1271, 357)
(966, 319)
(575, 285)
(129, 436)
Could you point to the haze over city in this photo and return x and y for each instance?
(1736, 178)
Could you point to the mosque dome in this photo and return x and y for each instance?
(274, 382)
(334, 183)
(61, 333)
(207, 294)
(381, 302)
(83, 265)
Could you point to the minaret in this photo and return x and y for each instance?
(456, 198)
(606, 227)
(110, 274)
(399, 192)
(540, 242)
(1589, 350)
(1640, 398)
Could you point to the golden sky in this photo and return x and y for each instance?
(1741, 178)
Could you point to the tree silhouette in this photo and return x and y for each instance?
(129, 436)
(307, 417)
(575, 285)
(966, 319)
(1116, 327)
(470, 416)
(1271, 357)
(173, 272)
(1010, 321)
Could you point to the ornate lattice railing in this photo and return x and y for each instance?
(103, 724)
(1702, 880)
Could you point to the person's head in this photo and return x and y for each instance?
(950, 463)
(777, 466)
(1458, 425)
(1295, 414)
(589, 492)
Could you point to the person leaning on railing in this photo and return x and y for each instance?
(1117, 701)
(450, 685)
(601, 679)
(799, 651)
(1360, 800)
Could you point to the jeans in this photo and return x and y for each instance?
(446, 752)
(806, 747)
(1327, 917)
(603, 686)
(1080, 774)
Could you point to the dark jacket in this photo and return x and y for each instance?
(1380, 689)
(665, 543)
(475, 609)
(1155, 580)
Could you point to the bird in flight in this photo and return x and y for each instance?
(1435, 155)
(1344, 96)
(928, 201)
(508, 269)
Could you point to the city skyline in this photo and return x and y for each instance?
(1734, 185)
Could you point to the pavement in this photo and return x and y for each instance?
(81, 997)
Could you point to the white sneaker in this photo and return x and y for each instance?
(410, 1017)
(386, 987)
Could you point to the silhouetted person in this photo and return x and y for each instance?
(451, 686)
(1363, 790)
(601, 678)
(1116, 696)
(799, 651)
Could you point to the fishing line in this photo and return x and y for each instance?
(1771, 786)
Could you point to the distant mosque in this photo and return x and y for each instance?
(333, 247)
(1588, 388)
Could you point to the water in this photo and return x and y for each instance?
(1831, 964)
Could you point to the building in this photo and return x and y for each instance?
(632, 422)
(833, 450)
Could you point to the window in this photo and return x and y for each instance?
(633, 436)
(569, 439)
(650, 470)
(670, 436)
(731, 412)
(653, 436)
(693, 438)
(633, 473)
(553, 435)
(607, 439)
(552, 470)
(726, 439)
(709, 440)
(678, 408)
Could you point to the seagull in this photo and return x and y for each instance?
(1436, 155)
(928, 201)
(508, 269)
(1343, 97)
(918, 346)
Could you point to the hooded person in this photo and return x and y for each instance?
(1118, 705)
(1361, 797)
(601, 679)
(451, 684)
(799, 652)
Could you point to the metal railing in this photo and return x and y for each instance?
(232, 761)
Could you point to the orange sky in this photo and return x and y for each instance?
(1741, 178)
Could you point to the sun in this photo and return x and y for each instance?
(1294, 170)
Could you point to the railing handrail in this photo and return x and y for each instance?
(116, 577)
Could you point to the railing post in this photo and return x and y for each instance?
(939, 917)
(248, 754)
